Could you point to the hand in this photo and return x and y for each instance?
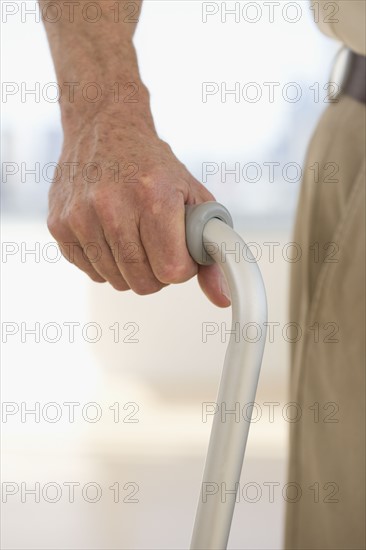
(117, 210)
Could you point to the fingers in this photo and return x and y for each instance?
(73, 252)
(125, 264)
(131, 259)
(133, 238)
(150, 250)
(101, 257)
(96, 249)
(126, 258)
(163, 234)
(94, 257)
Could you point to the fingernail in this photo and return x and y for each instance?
(224, 287)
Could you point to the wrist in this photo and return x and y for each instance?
(88, 102)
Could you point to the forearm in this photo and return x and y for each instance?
(96, 63)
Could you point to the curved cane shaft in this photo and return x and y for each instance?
(237, 387)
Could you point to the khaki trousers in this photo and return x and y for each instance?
(327, 445)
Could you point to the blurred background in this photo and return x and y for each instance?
(113, 454)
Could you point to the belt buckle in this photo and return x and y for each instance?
(341, 70)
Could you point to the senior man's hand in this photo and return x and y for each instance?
(116, 208)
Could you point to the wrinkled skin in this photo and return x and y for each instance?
(126, 226)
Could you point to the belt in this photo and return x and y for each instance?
(354, 84)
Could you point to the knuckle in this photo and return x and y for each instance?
(96, 278)
(54, 226)
(102, 202)
(75, 221)
(151, 188)
(144, 288)
(147, 180)
(58, 229)
(120, 285)
(175, 273)
(116, 237)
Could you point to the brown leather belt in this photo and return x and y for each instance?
(355, 81)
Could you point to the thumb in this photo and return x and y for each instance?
(213, 284)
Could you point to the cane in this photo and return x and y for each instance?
(211, 238)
